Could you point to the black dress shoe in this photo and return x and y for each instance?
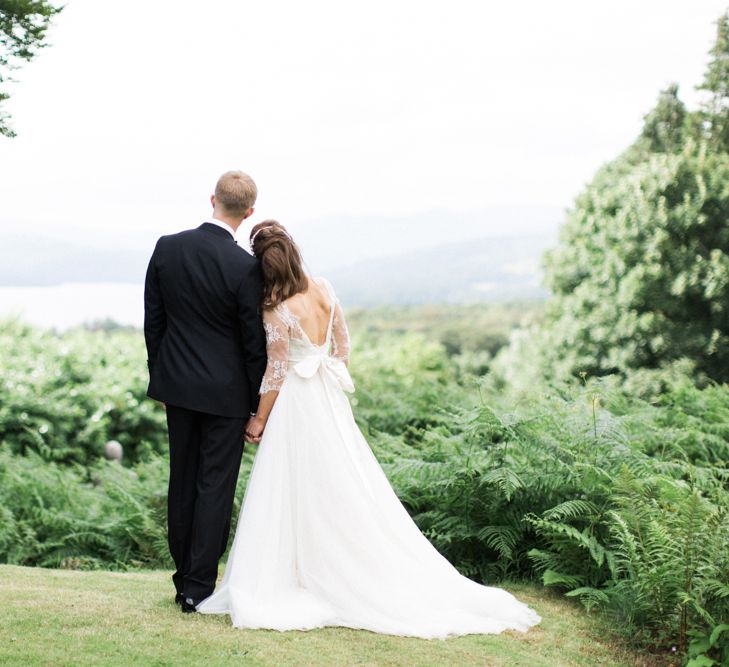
(189, 606)
(179, 597)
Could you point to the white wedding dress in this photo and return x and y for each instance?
(322, 539)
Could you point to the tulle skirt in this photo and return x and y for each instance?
(322, 539)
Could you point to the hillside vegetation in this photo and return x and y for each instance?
(618, 501)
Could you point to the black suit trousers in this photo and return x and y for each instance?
(205, 456)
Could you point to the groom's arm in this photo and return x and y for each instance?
(250, 293)
(155, 318)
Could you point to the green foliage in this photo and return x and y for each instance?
(69, 516)
(715, 112)
(641, 275)
(664, 129)
(403, 384)
(23, 26)
(64, 397)
(471, 335)
(703, 644)
(671, 542)
(460, 329)
(619, 502)
(616, 500)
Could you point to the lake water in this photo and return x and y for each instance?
(71, 304)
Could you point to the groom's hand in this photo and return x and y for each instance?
(254, 430)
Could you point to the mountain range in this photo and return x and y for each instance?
(490, 269)
(437, 257)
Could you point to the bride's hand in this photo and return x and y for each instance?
(254, 430)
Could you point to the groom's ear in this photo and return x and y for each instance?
(212, 200)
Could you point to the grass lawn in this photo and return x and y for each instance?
(62, 617)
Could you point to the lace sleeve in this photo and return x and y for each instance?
(340, 334)
(277, 349)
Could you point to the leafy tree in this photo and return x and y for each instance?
(641, 277)
(665, 125)
(716, 82)
(23, 26)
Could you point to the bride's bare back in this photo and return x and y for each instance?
(312, 309)
(305, 317)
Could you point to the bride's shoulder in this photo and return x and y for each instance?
(324, 283)
(282, 312)
(275, 311)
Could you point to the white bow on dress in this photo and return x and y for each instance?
(332, 366)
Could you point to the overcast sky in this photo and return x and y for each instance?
(335, 108)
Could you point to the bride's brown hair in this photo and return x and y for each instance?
(280, 257)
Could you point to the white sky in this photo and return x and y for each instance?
(384, 107)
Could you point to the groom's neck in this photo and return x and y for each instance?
(231, 222)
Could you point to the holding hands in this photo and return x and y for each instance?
(257, 422)
(254, 430)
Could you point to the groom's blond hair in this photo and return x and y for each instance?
(235, 192)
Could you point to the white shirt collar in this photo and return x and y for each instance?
(222, 225)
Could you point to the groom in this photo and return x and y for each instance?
(206, 352)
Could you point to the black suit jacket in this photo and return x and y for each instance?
(206, 348)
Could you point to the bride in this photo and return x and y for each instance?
(322, 539)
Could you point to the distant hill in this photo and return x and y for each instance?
(437, 256)
(494, 269)
(334, 242)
